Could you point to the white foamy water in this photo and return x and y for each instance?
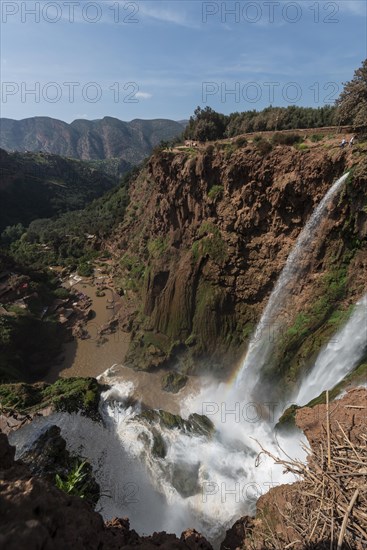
(202, 482)
(341, 355)
(261, 343)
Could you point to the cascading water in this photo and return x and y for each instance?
(172, 479)
(261, 343)
(338, 358)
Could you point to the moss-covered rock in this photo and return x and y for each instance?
(173, 381)
(356, 377)
(196, 423)
(159, 448)
(287, 420)
(67, 394)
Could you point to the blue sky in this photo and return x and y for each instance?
(160, 59)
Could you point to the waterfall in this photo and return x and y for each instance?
(203, 481)
(338, 358)
(260, 346)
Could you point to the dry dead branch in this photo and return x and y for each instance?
(329, 504)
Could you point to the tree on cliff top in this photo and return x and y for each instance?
(352, 103)
(206, 125)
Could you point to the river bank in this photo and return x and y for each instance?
(98, 344)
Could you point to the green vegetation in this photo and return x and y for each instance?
(216, 192)
(30, 337)
(302, 147)
(74, 483)
(135, 271)
(205, 125)
(159, 448)
(157, 247)
(80, 395)
(359, 374)
(85, 269)
(40, 185)
(315, 138)
(287, 420)
(79, 481)
(173, 381)
(352, 103)
(286, 139)
(196, 423)
(71, 240)
(262, 145)
(212, 244)
(28, 344)
(314, 326)
(208, 125)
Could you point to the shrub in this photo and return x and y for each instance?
(215, 192)
(85, 270)
(241, 141)
(263, 146)
(285, 139)
(61, 293)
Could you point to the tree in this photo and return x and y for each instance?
(206, 125)
(352, 103)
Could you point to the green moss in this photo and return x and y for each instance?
(173, 381)
(216, 192)
(157, 340)
(196, 423)
(67, 394)
(135, 271)
(157, 247)
(201, 424)
(211, 244)
(191, 340)
(159, 448)
(311, 329)
(287, 420)
(358, 375)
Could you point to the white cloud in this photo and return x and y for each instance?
(167, 15)
(354, 7)
(143, 95)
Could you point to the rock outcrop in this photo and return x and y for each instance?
(208, 232)
(281, 512)
(35, 515)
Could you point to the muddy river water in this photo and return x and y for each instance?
(94, 356)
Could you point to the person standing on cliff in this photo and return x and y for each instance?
(343, 143)
(351, 141)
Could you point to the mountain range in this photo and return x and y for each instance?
(88, 139)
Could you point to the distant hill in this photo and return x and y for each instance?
(88, 139)
(41, 185)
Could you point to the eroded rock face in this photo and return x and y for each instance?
(237, 534)
(34, 515)
(210, 263)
